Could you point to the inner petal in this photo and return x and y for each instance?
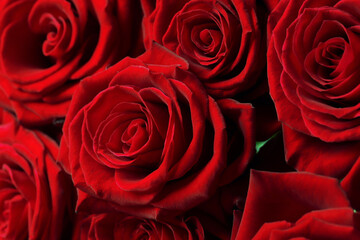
(328, 54)
(334, 52)
(200, 36)
(135, 135)
(205, 37)
(322, 62)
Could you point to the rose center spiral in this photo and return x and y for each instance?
(134, 136)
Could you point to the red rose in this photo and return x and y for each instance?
(47, 45)
(208, 218)
(146, 136)
(35, 193)
(107, 226)
(314, 81)
(221, 39)
(295, 206)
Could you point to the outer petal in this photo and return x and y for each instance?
(287, 196)
(310, 154)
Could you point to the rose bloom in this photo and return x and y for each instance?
(203, 222)
(299, 205)
(146, 136)
(35, 194)
(314, 81)
(221, 39)
(97, 219)
(108, 226)
(47, 46)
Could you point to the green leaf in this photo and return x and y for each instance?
(260, 144)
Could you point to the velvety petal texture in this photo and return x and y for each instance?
(271, 4)
(108, 226)
(351, 184)
(295, 206)
(306, 153)
(47, 46)
(313, 76)
(153, 136)
(35, 194)
(222, 39)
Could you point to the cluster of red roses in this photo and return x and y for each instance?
(179, 119)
